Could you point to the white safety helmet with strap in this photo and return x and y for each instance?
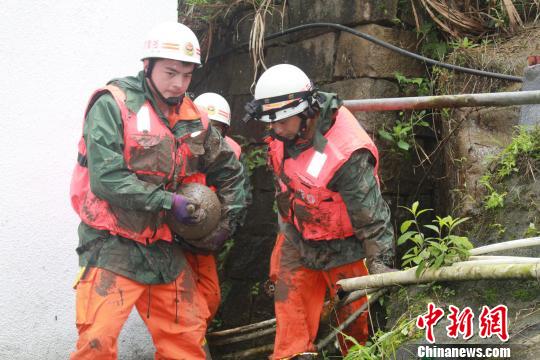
(282, 91)
(216, 107)
(171, 40)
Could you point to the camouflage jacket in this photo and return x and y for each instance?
(162, 261)
(354, 181)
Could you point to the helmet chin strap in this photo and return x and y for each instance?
(303, 126)
(171, 101)
(302, 130)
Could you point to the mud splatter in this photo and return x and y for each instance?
(106, 282)
(95, 344)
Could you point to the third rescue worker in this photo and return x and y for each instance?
(141, 137)
(331, 212)
(203, 264)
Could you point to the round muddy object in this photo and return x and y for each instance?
(209, 212)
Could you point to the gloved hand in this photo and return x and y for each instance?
(378, 267)
(184, 209)
(374, 257)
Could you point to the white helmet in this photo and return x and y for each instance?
(282, 91)
(174, 41)
(216, 106)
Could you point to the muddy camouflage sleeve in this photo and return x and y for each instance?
(368, 211)
(110, 179)
(225, 172)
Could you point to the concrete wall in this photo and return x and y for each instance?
(53, 53)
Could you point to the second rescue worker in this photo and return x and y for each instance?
(331, 212)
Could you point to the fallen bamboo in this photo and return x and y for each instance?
(243, 337)
(445, 101)
(242, 329)
(353, 296)
(502, 260)
(507, 245)
(322, 344)
(456, 272)
(249, 352)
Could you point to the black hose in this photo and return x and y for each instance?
(383, 44)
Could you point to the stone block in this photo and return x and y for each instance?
(357, 57)
(239, 68)
(346, 12)
(314, 56)
(367, 88)
(274, 23)
(483, 134)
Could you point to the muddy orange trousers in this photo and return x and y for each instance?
(175, 314)
(299, 299)
(206, 277)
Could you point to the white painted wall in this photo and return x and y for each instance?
(53, 54)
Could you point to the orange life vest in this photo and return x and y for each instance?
(317, 212)
(150, 151)
(234, 146)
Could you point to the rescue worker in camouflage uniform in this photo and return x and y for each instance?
(141, 136)
(332, 216)
(203, 264)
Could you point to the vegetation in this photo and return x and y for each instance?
(255, 157)
(402, 134)
(476, 19)
(521, 156)
(432, 251)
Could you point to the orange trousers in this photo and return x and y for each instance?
(299, 299)
(174, 313)
(206, 277)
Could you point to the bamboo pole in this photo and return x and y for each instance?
(445, 101)
(457, 272)
(244, 337)
(242, 329)
(507, 245)
(353, 296)
(249, 352)
(505, 259)
(350, 319)
(500, 261)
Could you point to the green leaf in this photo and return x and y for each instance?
(439, 246)
(434, 228)
(414, 207)
(403, 145)
(405, 226)
(406, 236)
(420, 269)
(423, 211)
(438, 262)
(386, 135)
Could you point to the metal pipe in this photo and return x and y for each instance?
(445, 101)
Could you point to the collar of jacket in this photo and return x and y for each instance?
(137, 92)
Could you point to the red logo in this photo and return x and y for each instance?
(494, 322)
(429, 320)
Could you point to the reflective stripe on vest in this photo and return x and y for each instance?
(317, 212)
(149, 152)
